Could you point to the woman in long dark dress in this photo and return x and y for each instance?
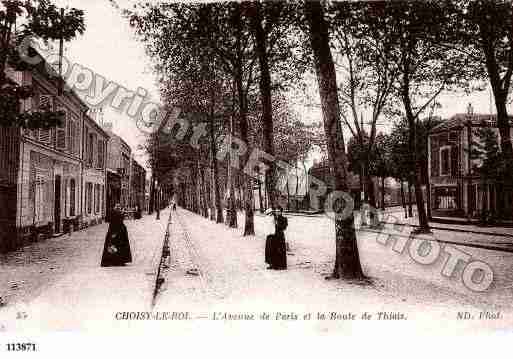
(138, 212)
(275, 247)
(116, 250)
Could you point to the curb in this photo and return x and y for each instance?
(472, 245)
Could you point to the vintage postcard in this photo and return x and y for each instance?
(299, 168)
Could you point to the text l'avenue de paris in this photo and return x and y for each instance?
(296, 316)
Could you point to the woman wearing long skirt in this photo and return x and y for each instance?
(275, 247)
(116, 250)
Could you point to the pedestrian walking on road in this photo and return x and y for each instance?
(138, 212)
(275, 247)
(116, 250)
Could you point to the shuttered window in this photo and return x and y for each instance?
(102, 200)
(39, 198)
(90, 150)
(69, 135)
(86, 146)
(72, 197)
(96, 198)
(454, 161)
(60, 135)
(445, 161)
(76, 134)
(89, 197)
(101, 151)
(45, 104)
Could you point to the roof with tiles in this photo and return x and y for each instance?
(462, 119)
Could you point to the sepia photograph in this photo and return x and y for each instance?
(292, 169)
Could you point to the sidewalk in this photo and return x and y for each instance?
(90, 296)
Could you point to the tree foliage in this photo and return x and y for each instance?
(20, 20)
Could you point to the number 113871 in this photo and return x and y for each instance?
(21, 347)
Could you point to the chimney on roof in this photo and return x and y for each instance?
(470, 109)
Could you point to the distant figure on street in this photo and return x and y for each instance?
(138, 212)
(116, 250)
(275, 247)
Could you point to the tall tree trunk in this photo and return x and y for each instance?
(288, 195)
(260, 199)
(360, 179)
(410, 199)
(241, 193)
(204, 193)
(266, 197)
(428, 193)
(231, 212)
(249, 224)
(403, 200)
(297, 188)
(347, 260)
(383, 193)
(197, 190)
(412, 147)
(212, 199)
(266, 98)
(500, 88)
(215, 174)
(371, 194)
(307, 188)
(504, 128)
(363, 197)
(152, 193)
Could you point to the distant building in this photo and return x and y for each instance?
(119, 156)
(137, 185)
(321, 171)
(113, 195)
(457, 190)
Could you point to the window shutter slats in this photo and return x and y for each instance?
(454, 161)
(45, 104)
(61, 132)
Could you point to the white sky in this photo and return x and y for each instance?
(109, 48)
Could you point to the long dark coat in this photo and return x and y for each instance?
(117, 236)
(275, 247)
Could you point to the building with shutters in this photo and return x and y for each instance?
(119, 155)
(94, 175)
(457, 189)
(47, 176)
